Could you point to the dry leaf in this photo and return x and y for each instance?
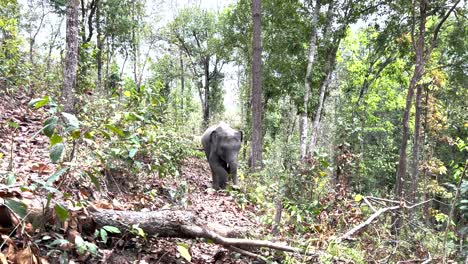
(25, 256)
(3, 259)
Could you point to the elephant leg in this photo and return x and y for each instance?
(215, 183)
(220, 175)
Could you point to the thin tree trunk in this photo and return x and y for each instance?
(99, 47)
(257, 143)
(304, 114)
(415, 155)
(329, 68)
(83, 18)
(206, 108)
(51, 47)
(123, 65)
(107, 63)
(418, 72)
(182, 80)
(427, 156)
(71, 58)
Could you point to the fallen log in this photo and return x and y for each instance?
(184, 224)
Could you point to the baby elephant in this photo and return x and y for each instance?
(221, 144)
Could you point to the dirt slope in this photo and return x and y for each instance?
(31, 161)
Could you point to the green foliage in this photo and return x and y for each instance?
(10, 54)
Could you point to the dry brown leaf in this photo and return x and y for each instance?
(103, 204)
(25, 256)
(3, 259)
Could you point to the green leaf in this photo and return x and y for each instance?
(116, 130)
(61, 212)
(72, 121)
(49, 126)
(39, 102)
(54, 139)
(13, 124)
(59, 241)
(103, 235)
(104, 133)
(56, 152)
(18, 208)
(76, 134)
(56, 175)
(92, 248)
(184, 252)
(112, 229)
(94, 180)
(10, 179)
(132, 153)
(80, 245)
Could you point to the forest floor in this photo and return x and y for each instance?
(30, 163)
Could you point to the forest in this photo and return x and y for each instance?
(233, 131)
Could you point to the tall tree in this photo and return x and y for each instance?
(197, 33)
(256, 87)
(303, 122)
(422, 49)
(71, 58)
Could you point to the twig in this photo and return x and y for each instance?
(382, 199)
(369, 204)
(248, 253)
(427, 260)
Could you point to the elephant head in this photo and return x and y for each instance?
(222, 144)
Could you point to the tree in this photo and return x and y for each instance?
(197, 33)
(71, 58)
(422, 49)
(303, 122)
(256, 87)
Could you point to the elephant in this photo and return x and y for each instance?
(221, 144)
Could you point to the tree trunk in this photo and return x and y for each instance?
(329, 68)
(71, 58)
(415, 155)
(206, 108)
(256, 87)
(304, 114)
(135, 47)
(418, 72)
(182, 80)
(99, 47)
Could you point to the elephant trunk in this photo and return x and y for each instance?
(232, 169)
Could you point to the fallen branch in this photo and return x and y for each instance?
(376, 214)
(369, 220)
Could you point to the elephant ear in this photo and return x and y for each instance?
(213, 136)
(241, 135)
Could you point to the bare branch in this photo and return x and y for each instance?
(439, 26)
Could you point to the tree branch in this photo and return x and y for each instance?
(439, 26)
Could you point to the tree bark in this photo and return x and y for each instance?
(303, 121)
(257, 143)
(182, 80)
(418, 72)
(71, 58)
(329, 68)
(99, 47)
(415, 154)
(206, 105)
